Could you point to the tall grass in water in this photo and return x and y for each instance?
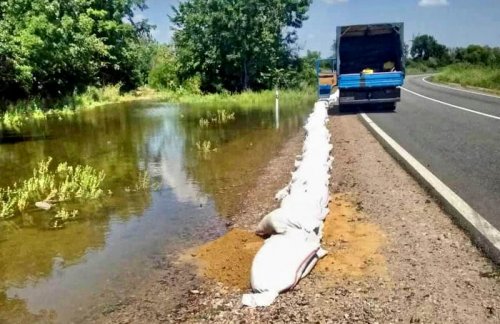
(468, 75)
(15, 115)
(205, 147)
(263, 100)
(221, 117)
(47, 184)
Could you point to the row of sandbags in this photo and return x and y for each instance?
(295, 227)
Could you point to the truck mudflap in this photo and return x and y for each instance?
(367, 96)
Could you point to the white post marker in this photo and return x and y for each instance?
(277, 109)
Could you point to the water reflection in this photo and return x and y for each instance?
(57, 274)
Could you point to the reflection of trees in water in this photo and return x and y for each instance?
(112, 140)
(244, 148)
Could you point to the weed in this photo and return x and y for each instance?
(204, 122)
(144, 182)
(66, 215)
(205, 147)
(62, 184)
(221, 117)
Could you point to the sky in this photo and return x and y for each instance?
(452, 22)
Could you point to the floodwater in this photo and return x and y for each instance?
(118, 239)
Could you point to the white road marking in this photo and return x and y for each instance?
(450, 105)
(458, 89)
(482, 232)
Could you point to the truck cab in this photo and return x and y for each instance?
(370, 64)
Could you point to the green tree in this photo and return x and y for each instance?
(425, 46)
(164, 66)
(51, 48)
(237, 44)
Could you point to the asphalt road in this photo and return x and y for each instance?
(456, 135)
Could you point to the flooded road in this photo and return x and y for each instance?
(118, 239)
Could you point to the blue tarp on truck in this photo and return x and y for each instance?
(370, 63)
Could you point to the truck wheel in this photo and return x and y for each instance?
(390, 106)
(343, 108)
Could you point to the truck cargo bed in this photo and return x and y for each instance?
(374, 80)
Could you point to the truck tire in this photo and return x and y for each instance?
(344, 108)
(390, 106)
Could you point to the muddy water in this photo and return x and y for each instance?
(57, 274)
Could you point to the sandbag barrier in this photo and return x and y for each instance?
(296, 227)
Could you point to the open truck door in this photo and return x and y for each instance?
(327, 77)
(370, 64)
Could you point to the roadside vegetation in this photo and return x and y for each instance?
(59, 190)
(468, 75)
(60, 57)
(473, 66)
(49, 186)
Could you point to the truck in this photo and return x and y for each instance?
(370, 64)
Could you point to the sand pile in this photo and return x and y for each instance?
(353, 244)
(229, 258)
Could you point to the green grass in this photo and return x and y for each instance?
(15, 115)
(23, 112)
(51, 185)
(221, 117)
(413, 68)
(484, 77)
(249, 99)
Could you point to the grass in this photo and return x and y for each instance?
(51, 185)
(205, 147)
(248, 99)
(221, 117)
(23, 112)
(17, 114)
(466, 75)
(413, 68)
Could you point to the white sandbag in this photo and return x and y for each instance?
(297, 224)
(302, 216)
(281, 262)
(282, 193)
(272, 223)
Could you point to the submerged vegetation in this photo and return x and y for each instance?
(205, 147)
(220, 118)
(55, 188)
(51, 185)
(59, 57)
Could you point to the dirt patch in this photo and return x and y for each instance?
(352, 242)
(353, 246)
(227, 259)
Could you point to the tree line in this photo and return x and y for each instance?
(54, 48)
(426, 50)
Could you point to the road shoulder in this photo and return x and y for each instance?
(394, 255)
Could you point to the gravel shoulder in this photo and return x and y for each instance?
(394, 255)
